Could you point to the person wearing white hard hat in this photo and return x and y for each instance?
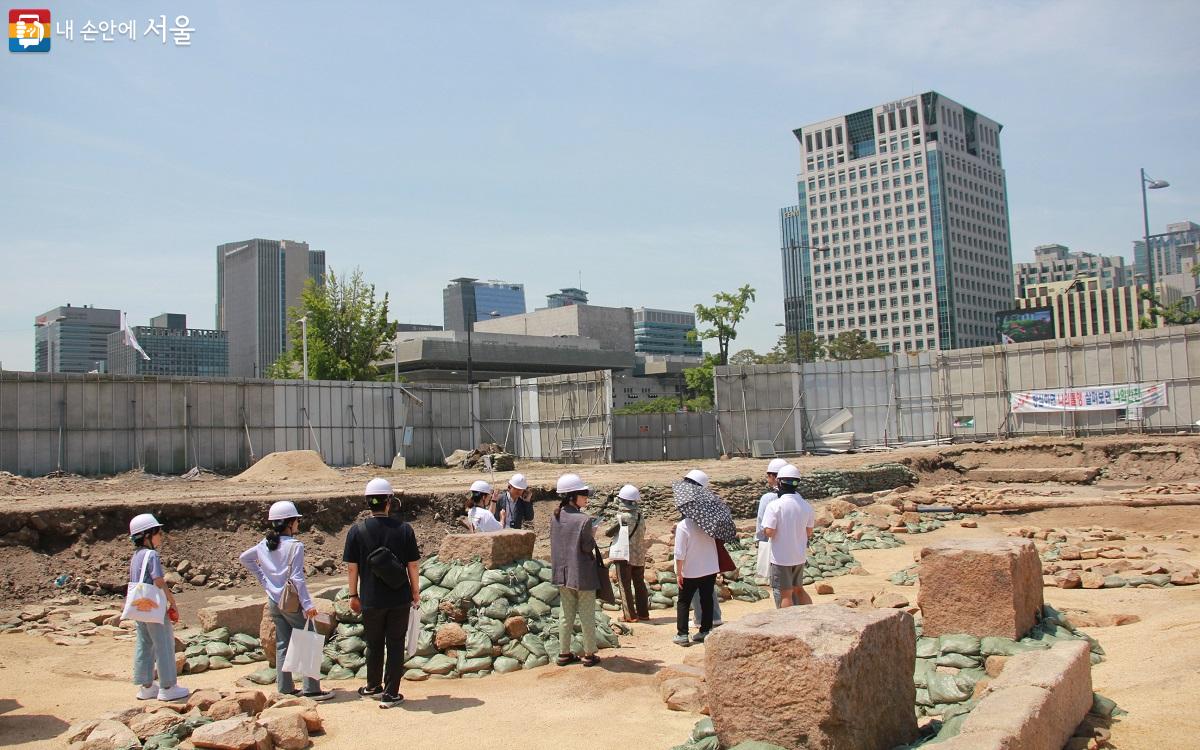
(763, 567)
(479, 499)
(381, 557)
(573, 560)
(155, 646)
(277, 563)
(635, 599)
(696, 476)
(516, 503)
(789, 523)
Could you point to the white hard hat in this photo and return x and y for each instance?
(697, 476)
(569, 483)
(789, 472)
(518, 482)
(143, 522)
(630, 494)
(378, 486)
(775, 465)
(282, 510)
(481, 486)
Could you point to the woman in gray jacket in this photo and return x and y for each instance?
(635, 599)
(573, 557)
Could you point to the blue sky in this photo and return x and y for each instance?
(644, 145)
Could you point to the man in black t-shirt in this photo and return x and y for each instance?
(385, 607)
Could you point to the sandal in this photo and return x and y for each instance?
(591, 660)
(565, 659)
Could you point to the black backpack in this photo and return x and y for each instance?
(384, 564)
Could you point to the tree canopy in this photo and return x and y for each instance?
(348, 331)
(853, 344)
(723, 317)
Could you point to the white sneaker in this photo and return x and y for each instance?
(148, 693)
(177, 693)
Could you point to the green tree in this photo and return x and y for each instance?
(746, 357)
(723, 318)
(784, 351)
(700, 379)
(348, 331)
(1180, 312)
(664, 405)
(853, 345)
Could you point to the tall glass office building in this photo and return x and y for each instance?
(901, 227)
(466, 299)
(1173, 250)
(173, 348)
(73, 339)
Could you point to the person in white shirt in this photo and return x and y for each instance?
(788, 523)
(479, 518)
(764, 544)
(696, 570)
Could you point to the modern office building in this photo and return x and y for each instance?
(73, 339)
(1174, 251)
(901, 228)
(258, 281)
(467, 299)
(1057, 263)
(665, 332)
(413, 327)
(173, 349)
(565, 297)
(1081, 306)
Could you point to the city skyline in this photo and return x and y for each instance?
(546, 161)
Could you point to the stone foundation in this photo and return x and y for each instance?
(981, 588)
(493, 548)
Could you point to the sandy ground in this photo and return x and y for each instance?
(1151, 670)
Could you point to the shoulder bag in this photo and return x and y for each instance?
(144, 602)
(384, 564)
(289, 598)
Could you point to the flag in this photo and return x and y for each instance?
(131, 340)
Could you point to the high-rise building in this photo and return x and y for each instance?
(73, 339)
(901, 227)
(173, 349)
(467, 299)
(1079, 306)
(1175, 250)
(565, 297)
(1057, 263)
(258, 281)
(665, 332)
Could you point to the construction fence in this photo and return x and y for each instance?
(1056, 387)
(106, 424)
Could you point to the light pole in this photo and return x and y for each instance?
(1152, 184)
(304, 344)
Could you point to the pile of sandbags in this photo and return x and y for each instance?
(218, 649)
(873, 478)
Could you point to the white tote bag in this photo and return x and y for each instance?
(764, 559)
(413, 634)
(619, 549)
(144, 602)
(304, 652)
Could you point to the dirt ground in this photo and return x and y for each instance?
(1151, 670)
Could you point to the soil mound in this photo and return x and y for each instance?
(293, 466)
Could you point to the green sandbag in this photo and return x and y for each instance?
(464, 590)
(416, 662)
(927, 648)
(434, 572)
(961, 661)
(425, 643)
(415, 675)
(997, 646)
(348, 630)
(505, 664)
(948, 688)
(439, 664)
(495, 576)
(755, 745)
(534, 661)
(352, 645)
(532, 567)
(473, 572)
(534, 644)
(351, 661)
(959, 644)
(546, 593)
(478, 644)
(516, 650)
(493, 629)
(468, 665)
(452, 577)
(704, 728)
(497, 610)
(489, 593)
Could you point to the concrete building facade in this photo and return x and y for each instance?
(258, 281)
(612, 327)
(441, 356)
(665, 332)
(901, 228)
(470, 300)
(1083, 306)
(73, 339)
(174, 350)
(1057, 263)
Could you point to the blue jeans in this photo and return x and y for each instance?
(696, 607)
(155, 647)
(284, 623)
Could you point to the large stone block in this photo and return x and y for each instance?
(241, 614)
(494, 548)
(980, 587)
(814, 676)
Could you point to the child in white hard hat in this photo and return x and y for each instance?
(277, 562)
(155, 647)
(479, 518)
